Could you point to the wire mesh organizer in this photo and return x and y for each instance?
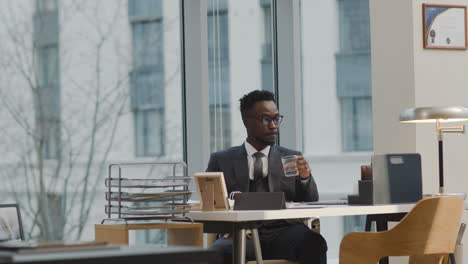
(147, 191)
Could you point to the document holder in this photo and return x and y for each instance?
(259, 201)
(397, 178)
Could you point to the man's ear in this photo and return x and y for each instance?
(245, 122)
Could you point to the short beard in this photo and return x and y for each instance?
(264, 142)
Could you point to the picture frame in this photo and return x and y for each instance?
(444, 27)
(212, 191)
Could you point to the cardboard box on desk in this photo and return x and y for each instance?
(396, 178)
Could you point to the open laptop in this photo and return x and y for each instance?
(11, 226)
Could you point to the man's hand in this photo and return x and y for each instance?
(303, 167)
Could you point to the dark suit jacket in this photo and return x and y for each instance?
(233, 163)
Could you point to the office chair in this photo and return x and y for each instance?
(314, 225)
(426, 234)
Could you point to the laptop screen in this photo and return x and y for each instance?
(11, 227)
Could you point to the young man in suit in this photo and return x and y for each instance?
(255, 166)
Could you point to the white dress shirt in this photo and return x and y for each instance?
(250, 159)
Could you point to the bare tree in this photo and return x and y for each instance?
(58, 194)
(51, 189)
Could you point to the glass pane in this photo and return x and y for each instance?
(154, 133)
(148, 43)
(348, 123)
(240, 61)
(148, 89)
(47, 59)
(95, 87)
(364, 123)
(336, 77)
(145, 8)
(149, 133)
(47, 5)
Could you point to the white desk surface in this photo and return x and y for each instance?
(323, 210)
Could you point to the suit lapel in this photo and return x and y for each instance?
(275, 169)
(241, 169)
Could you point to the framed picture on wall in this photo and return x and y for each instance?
(444, 27)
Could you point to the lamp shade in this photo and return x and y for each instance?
(431, 114)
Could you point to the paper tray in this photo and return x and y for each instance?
(149, 210)
(149, 197)
(149, 183)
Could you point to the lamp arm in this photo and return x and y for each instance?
(453, 129)
(448, 129)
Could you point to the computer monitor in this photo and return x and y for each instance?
(11, 226)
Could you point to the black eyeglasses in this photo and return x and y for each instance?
(266, 119)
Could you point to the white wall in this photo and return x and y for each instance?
(441, 79)
(392, 75)
(406, 75)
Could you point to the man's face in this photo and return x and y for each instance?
(256, 129)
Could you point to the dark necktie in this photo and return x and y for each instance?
(258, 166)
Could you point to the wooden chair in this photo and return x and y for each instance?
(426, 234)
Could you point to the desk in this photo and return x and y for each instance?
(178, 234)
(123, 255)
(236, 222)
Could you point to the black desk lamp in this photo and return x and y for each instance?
(438, 115)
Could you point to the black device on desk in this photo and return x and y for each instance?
(396, 178)
(259, 201)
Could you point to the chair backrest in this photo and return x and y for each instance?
(11, 226)
(429, 228)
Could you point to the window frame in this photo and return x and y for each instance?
(286, 73)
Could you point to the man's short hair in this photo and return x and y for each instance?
(247, 101)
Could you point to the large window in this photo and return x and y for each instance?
(267, 47)
(101, 84)
(147, 77)
(336, 72)
(219, 81)
(353, 75)
(240, 60)
(84, 84)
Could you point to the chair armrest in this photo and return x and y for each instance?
(210, 239)
(360, 248)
